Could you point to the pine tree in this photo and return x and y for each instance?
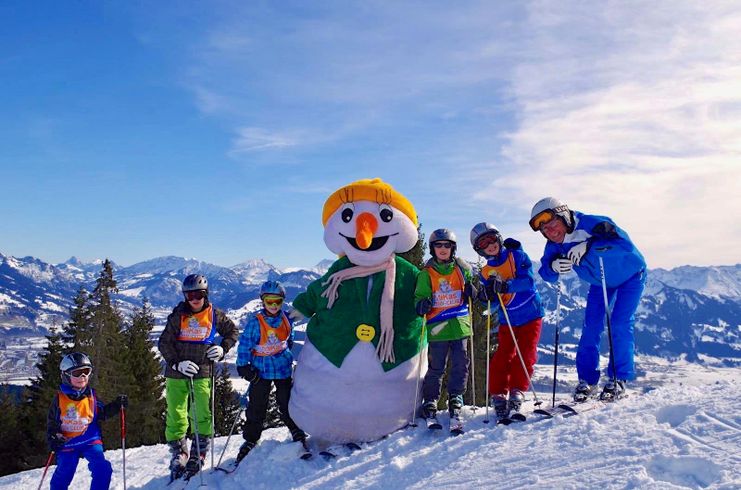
(113, 374)
(9, 425)
(77, 332)
(226, 402)
(145, 415)
(417, 254)
(32, 447)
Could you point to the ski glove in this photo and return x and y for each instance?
(423, 306)
(249, 373)
(468, 292)
(577, 252)
(57, 442)
(561, 265)
(483, 295)
(188, 368)
(495, 286)
(605, 229)
(122, 401)
(215, 353)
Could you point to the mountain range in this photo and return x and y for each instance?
(688, 311)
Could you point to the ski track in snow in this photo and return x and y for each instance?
(674, 436)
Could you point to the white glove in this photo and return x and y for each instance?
(296, 315)
(561, 266)
(577, 252)
(215, 352)
(188, 368)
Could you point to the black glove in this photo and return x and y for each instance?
(249, 373)
(423, 306)
(57, 441)
(496, 285)
(468, 292)
(122, 401)
(605, 229)
(512, 244)
(483, 295)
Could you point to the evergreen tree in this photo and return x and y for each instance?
(113, 374)
(226, 402)
(417, 254)
(78, 331)
(32, 447)
(10, 426)
(145, 415)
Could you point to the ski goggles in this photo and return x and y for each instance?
(541, 218)
(272, 301)
(81, 372)
(195, 295)
(485, 241)
(442, 245)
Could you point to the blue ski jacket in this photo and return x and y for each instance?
(604, 239)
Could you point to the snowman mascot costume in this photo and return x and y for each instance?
(357, 375)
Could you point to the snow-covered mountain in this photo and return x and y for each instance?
(693, 311)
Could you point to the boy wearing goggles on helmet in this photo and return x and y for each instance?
(73, 429)
(577, 241)
(264, 359)
(508, 273)
(190, 348)
(441, 295)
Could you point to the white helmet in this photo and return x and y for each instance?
(548, 208)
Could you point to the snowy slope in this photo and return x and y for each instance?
(681, 433)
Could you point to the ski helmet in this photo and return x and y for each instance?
(195, 282)
(548, 208)
(443, 235)
(480, 230)
(71, 362)
(272, 287)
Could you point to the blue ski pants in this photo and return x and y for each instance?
(624, 300)
(438, 358)
(67, 461)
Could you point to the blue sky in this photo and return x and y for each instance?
(216, 130)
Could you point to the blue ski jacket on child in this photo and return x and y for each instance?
(274, 366)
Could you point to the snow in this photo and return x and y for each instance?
(133, 292)
(675, 430)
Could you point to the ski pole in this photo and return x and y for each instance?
(46, 468)
(213, 422)
(413, 422)
(488, 340)
(609, 327)
(473, 362)
(234, 425)
(558, 331)
(194, 416)
(123, 442)
(517, 348)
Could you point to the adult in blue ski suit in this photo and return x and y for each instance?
(577, 241)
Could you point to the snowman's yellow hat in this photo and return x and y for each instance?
(368, 190)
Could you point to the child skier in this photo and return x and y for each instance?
(73, 429)
(441, 295)
(189, 348)
(264, 359)
(577, 240)
(508, 272)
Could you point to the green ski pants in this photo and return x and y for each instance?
(177, 407)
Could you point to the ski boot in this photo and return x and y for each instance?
(501, 408)
(195, 462)
(516, 397)
(179, 452)
(613, 391)
(244, 450)
(455, 405)
(298, 435)
(429, 412)
(583, 391)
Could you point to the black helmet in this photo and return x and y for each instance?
(483, 229)
(71, 362)
(272, 287)
(195, 282)
(443, 235)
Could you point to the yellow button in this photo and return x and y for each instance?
(365, 332)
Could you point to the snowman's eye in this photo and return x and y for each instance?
(386, 213)
(347, 213)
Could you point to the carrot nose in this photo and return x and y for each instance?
(365, 226)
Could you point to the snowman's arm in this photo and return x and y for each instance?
(308, 301)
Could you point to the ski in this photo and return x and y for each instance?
(228, 468)
(433, 423)
(305, 453)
